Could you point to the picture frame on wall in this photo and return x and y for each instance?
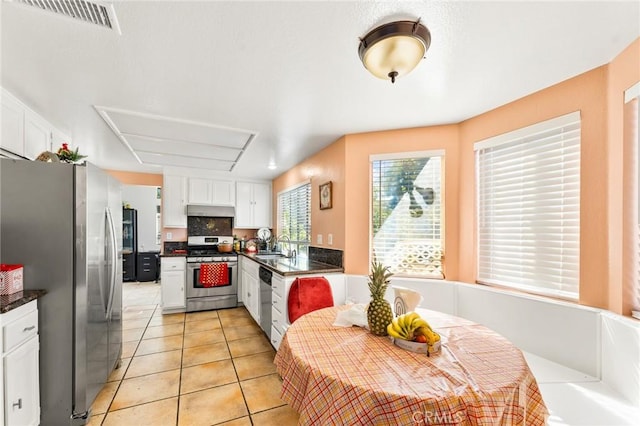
(326, 195)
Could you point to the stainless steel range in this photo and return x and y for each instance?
(202, 295)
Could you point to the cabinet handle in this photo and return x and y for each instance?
(274, 288)
(275, 320)
(28, 328)
(19, 404)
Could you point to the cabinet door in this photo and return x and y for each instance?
(172, 283)
(244, 205)
(261, 205)
(12, 124)
(223, 192)
(22, 397)
(174, 190)
(37, 135)
(199, 191)
(57, 139)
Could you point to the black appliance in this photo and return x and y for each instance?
(129, 243)
(265, 300)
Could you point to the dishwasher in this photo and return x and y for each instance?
(265, 300)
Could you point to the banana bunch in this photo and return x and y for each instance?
(411, 326)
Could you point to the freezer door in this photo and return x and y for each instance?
(114, 307)
(99, 259)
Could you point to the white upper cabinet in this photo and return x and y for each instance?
(174, 190)
(12, 124)
(37, 135)
(253, 205)
(26, 133)
(211, 192)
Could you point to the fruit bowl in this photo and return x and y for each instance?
(421, 348)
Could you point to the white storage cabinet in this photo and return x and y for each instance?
(218, 192)
(24, 132)
(172, 282)
(251, 288)
(174, 201)
(280, 286)
(253, 205)
(19, 370)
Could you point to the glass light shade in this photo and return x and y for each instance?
(399, 53)
(392, 50)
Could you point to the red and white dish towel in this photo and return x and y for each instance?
(214, 274)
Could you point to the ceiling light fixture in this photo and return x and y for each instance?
(392, 50)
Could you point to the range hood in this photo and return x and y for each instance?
(210, 211)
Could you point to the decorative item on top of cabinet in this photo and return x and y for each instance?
(253, 205)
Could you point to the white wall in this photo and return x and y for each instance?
(144, 199)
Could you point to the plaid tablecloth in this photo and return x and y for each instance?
(347, 376)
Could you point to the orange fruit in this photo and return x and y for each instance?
(421, 339)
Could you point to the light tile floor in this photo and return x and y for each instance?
(200, 368)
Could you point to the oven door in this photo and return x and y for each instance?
(195, 288)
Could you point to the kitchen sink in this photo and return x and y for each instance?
(270, 256)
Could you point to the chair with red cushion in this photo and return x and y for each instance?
(308, 294)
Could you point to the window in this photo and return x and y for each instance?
(407, 213)
(528, 198)
(631, 199)
(294, 217)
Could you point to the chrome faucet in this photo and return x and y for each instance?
(289, 252)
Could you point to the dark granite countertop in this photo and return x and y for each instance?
(15, 300)
(294, 266)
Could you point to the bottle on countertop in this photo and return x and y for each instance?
(236, 243)
(242, 243)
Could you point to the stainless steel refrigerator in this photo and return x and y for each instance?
(63, 222)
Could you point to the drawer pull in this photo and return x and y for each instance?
(28, 328)
(275, 320)
(18, 404)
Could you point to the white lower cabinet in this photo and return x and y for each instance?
(280, 286)
(172, 283)
(20, 371)
(251, 289)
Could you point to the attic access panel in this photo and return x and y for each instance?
(167, 141)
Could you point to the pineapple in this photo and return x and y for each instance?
(379, 313)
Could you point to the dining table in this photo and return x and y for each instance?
(337, 375)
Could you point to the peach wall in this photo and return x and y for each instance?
(596, 94)
(624, 72)
(326, 165)
(585, 93)
(133, 178)
(358, 187)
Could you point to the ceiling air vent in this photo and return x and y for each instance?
(86, 11)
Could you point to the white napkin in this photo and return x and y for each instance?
(355, 315)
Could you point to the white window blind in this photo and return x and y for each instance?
(294, 217)
(407, 213)
(528, 197)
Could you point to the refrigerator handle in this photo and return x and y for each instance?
(114, 259)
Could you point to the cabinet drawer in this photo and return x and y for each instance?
(276, 337)
(278, 302)
(173, 264)
(277, 318)
(277, 286)
(20, 330)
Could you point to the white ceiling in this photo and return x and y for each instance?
(289, 71)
